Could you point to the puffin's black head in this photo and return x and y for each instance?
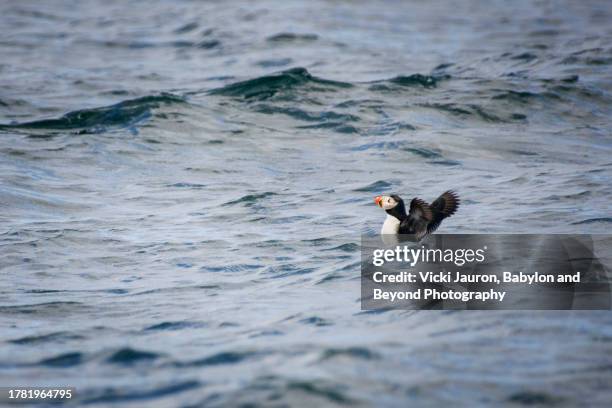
(393, 205)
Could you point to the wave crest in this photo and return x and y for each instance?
(123, 114)
(267, 86)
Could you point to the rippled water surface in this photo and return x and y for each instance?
(183, 186)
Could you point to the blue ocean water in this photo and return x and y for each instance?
(183, 186)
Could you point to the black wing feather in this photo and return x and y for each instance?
(419, 216)
(444, 206)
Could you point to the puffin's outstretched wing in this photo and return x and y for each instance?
(419, 216)
(442, 208)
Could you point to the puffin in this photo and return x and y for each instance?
(422, 218)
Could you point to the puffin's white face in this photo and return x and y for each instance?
(385, 202)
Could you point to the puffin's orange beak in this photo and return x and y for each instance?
(378, 200)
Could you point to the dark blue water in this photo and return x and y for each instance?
(183, 186)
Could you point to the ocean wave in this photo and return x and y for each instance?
(426, 81)
(350, 352)
(222, 358)
(329, 392)
(63, 360)
(338, 122)
(337, 127)
(292, 37)
(407, 81)
(49, 308)
(141, 44)
(124, 114)
(45, 338)
(129, 356)
(131, 393)
(171, 326)
(303, 115)
(476, 111)
(250, 199)
(316, 321)
(594, 220)
(272, 390)
(267, 86)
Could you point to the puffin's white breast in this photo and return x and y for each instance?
(391, 225)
